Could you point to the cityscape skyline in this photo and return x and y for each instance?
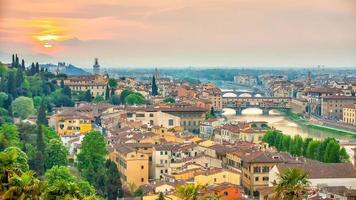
(208, 34)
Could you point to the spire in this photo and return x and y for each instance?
(96, 67)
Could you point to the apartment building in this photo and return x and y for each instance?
(349, 114)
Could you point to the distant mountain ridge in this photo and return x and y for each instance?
(66, 69)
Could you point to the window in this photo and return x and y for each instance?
(170, 122)
(256, 178)
(142, 180)
(226, 193)
(165, 153)
(215, 180)
(142, 167)
(161, 152)
(265, 178)
(166, 171)
(256, 169)
(161, 161)
(150, 158)
(265, 169)
(140, 115)
(161, 171)
(151, 114)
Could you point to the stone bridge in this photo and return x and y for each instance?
(264, 103)
(238, 92)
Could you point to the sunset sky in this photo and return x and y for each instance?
(181, 33)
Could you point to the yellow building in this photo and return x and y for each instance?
(71, 122)
(133, 165)
(256, 166)
(217, 176)
(349, 114)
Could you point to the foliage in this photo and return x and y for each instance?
(160, 196)
(22, 107)
(91, 163)
(113, 183)
(291, 184)
(62, 183)
(41, 117)
(9, 136)
(99, 99)
(112, 83)
(135, 98)
(328, 150)
(169, 100)
(115, 99)
(56, 154)
(188, 191)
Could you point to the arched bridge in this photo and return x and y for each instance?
(264, 103)
(239, 92)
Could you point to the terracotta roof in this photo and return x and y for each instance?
(317, 169)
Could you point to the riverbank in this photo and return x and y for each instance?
(301, 120)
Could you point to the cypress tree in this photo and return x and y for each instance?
(11, 84)
(37, 68)
(67, 91)
(41, 146)
(62, 83)
(13, 61)
(32, 69)
(87, 96)
(107, 93)
(41, 117)
(112, 91)
(23, 65)
(17, 62)
(19, 77)
(154, 87)
(113, 182)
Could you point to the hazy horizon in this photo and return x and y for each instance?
(181, 33)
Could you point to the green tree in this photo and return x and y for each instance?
(41, 117)
(11, 84)
(40, 154)
(124, 94)
(154, 89)
(22, 107)
(91, 164)
(113, 183)
(67, 91)
(107, 93)
(112, 83)
(188, 191)
(169, 100)
(3, 98)
(19, 77)
(87, 96)
(9, 136)
(21, 157)
(332, 151)
(312, 149)
(115, 99)
(291, 184)
(135, 98)
(99, 99)
(59, 173)
(56, 154)
(344, 157)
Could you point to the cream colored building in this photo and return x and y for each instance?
(95, 83)
(349, 114)
(153, 118)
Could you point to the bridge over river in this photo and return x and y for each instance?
(264, 103)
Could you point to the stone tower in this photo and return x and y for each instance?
(96, 67)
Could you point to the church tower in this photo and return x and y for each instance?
(96, 67)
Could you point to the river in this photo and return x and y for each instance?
(281, 122)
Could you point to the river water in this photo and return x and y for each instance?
(281, 122)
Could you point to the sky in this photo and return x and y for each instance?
(181, 33)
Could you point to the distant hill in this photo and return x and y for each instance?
(66, 69)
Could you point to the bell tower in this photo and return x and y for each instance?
(96, 67)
